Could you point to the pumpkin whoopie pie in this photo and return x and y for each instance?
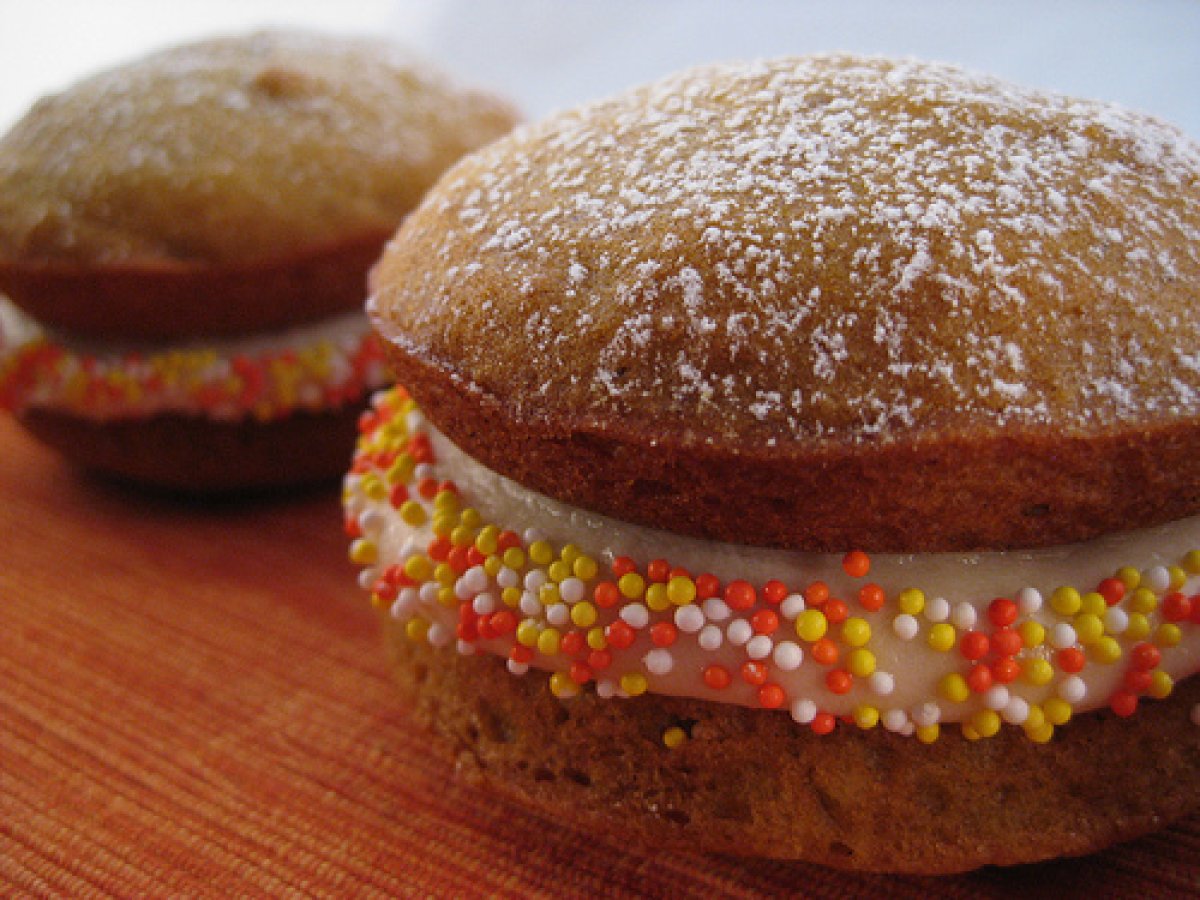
(800, 459)
(184, 240)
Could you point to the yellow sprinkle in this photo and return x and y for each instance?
(418, 568)
(401, 469)
(373, 488)
(583, 614)
(444, 523)
(511, 597)
(1106, 650)
(811, 625)
(942, 637)
(1168, 634)
(470, 518)
(1037, 671)
(492, 565)
(558, 571)
(486, 540)
(541, 553)
(1093, 604)
(562, 686)
(681, 590)
(446, 502)
(548, 641)
(462, 536)
(1033, 633)
(417, 630)
(1089, 628)
(1143, 600)
(1040, 734)
(527, 632)
(596, 638)
(657, 598)
(856, 631)
(969, 732)
(631, 585)
(1161, 684)
(861, 662)
(1036, 718)
(1191, 562)
(866, 716)
(911, 601)
(1138, 627)
(548, 594)
(412, 512)
(378, 602)
(1066, 601)
(514, 558)
(674, 737)
(1057, 710)
(927, 734)
(447, 597)
(569, 554)
(585, 568)
(1130, 576)
(954, 688)
(1178, 578)
(634, 684)
(986, 722)
(364, 552)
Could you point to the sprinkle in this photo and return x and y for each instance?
(738, 632)
(963, 616)
(881, 683)
(856, 564)
(1072, 689)
(717, 677)
(636, 615)
(634, 684)
(792, 606)
(659, 661)
(1029, 601)
(689, 619)
(811, 625)
(759, 647)
(674, 737)
(711, 637)
(805, 711)
(1062, 635)
(716, 609)
(937, 609)
(1157, 579)
(942, 637)
(905, 626)
(911, 601)
(787, 655)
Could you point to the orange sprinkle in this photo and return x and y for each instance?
(580, 672)
(1070, 659)
(620, 634)
(1006, 642)
(871, 597)
(775, 591)
(717, 677)
(771, 696)
(839, 681)
(1145, 656)
(427, 488)
(397, 495)
(1112, 590)
(974, 645)
(707, 586)
(1176, 607)
(856, 564)
(623, 565)
(572, 642)
(507, 539)
(503, 621)
(1002, 612)
(836, 610)
(663, 634)
(823, 723)
(754, 672)
(825, 651)
(980, 678)
(1124, 703)
(1138, 680)
(816, 593)
(1006, 670)
(658, 570)
(764, 621)
(599, 660)
(740, 595)
(520, 653)
(439, 549)
(606, 594)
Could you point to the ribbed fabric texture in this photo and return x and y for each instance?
(194, 702)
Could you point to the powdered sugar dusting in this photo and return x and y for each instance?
(827, 247)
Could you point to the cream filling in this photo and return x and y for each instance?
(312, 366)
(907, 686)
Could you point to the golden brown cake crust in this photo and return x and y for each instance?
(752, 782)
(820, 303)
(235, 159)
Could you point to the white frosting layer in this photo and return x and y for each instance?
(906, 684)
(311, 366)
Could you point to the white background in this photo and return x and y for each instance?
(550, 53)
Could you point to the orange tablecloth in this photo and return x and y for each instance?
(193, 702)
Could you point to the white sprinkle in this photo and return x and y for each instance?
(689, 619)
(403, 606)
(659, 661)
(532, 536)
(1062, 636)
(367, 578)
(996, 697)
(372, 521)
(635, 615)
(905, 626)
(439, 635)
(937, 609)
(1116, 620)
(530, 604)
(738, 631)
(606, 688)
(534, 579)
(927, 714)
(484, 603)
(1072, 689)
(964, 615)
(792, 606)
(572, 590)
(1016, 712)
(759, 646)
(711, 637)
(508, 578)
(894, 720)
(804, 711)
(475, 579)
(1157, 578)
(1029, 600)
(422, 471)
(465, 648)
(788, 655)
(517, 668)
(428, 592)
(558, 614)
(716, 609)
(881, 683)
